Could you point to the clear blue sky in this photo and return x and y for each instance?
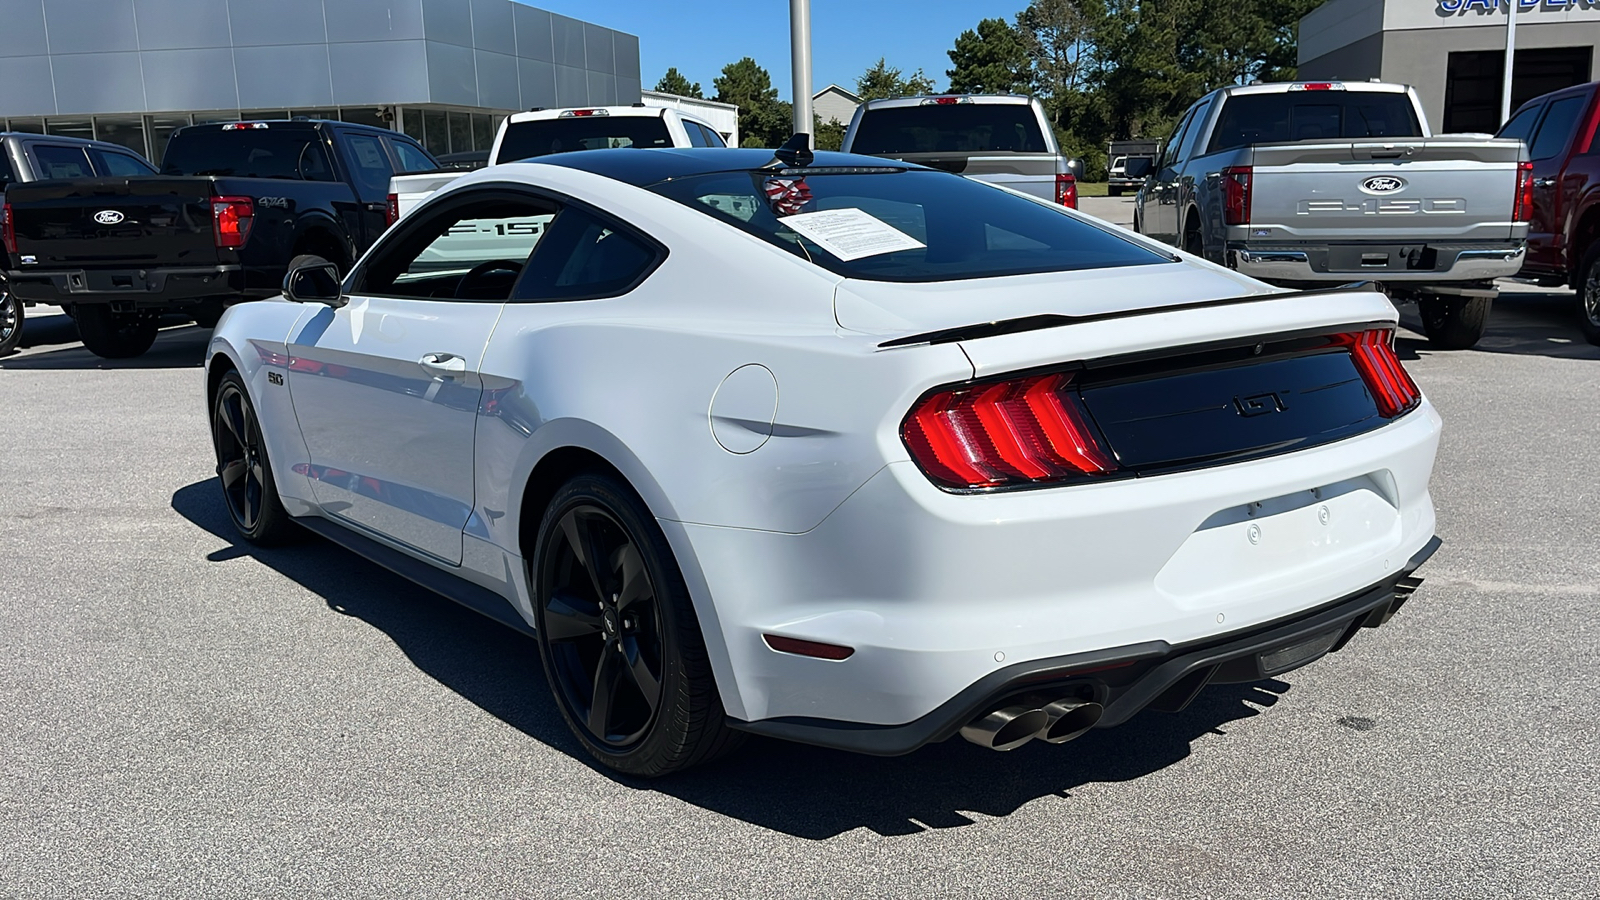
(847, 35)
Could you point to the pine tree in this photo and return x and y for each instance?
(674, 82)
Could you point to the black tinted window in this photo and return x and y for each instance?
(6, 175)
(712, 138)
(62, 162)
(1313, 115)
(525, 140)
(369, 164)
(271, 152)
(411, 157)
(967, 229)
(949, 128)
(114, 163)
(586, 257)
(1521, 124)
(1556, 128)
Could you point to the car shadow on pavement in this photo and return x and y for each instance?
(51, 342)
(801, 791)
(1525, 321)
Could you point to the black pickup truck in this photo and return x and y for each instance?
(234, 203)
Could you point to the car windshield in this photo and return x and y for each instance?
(1313, 115)
(543, 137)
(246, 153)
(893, 224)
(949, 128)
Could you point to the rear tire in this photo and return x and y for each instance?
(1113, 192)
(1454, 323)
(618, 636)
(11, 316)
(1588, 295)
(115, 335)
(208, 313)
(1192, 243)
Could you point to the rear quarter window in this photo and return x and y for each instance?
(62, 162)
(951, 128)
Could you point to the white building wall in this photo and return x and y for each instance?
(724, 117)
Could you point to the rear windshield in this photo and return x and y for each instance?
(952, 128)
(543, 137)
(248, 153)
(956, 228)
(1311, 116)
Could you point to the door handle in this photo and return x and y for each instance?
(1544, 182)
(377, 207)
(446, 364)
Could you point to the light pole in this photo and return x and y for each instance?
(800, 54)
(1511, 57)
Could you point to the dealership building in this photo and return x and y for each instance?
(1453, 51)
(443, 71)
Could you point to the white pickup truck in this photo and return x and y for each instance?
(1318, 183)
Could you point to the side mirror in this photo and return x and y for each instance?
(313, 281)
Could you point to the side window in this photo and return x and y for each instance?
(1553, 132)
(6, 175)
(1521, 124)
(1191, 141)
(411, 157)
(586, 257)
(697, 135)
(369, 165)
(62, 162)
(110, 162)
(712, 138)
(313, 164)
(472, 250)
(1169, 155)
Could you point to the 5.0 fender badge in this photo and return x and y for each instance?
(109, 217)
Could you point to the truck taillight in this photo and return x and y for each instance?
(1026, 431)
(1067, 190)
(1373, 353)
(230, 219)
(8, 230)
(1236, 195)
(1522, 207)
(392, 215)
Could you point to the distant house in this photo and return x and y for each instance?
(834, 103)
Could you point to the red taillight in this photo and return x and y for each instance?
(8, 229)
(392, 215)
(815, 649)
(1374, 357)
(1029, 430)
(1067, 190)
(1522, 209)
(942, 101)
(231, 218)
(1236, 195)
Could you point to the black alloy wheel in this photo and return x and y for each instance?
(248, 489)
(11, 317)
(621, 645)
(1588, 295)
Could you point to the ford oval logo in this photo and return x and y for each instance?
(109, 217)
(1383, 184)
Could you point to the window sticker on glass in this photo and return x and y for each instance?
(850, 233)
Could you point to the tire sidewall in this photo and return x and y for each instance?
(9, 342)
(1590, 267)
(681, 641)
(269, 518)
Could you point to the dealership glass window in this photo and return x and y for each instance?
(332, 114)
(126, 132)
(363, 115)
(74, 128)
(160, 129)
(438, 132)
(206, 118)
(257, 115)
(1556, 127)
(411, 124)
(27, 126)
(460, 132)
(482, 137)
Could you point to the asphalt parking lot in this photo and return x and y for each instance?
(184, 716)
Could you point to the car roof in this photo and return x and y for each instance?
(61, 139)
(1284, 87)
(641, 166)
(994, 99)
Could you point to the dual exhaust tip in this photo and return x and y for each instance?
(1009, 727)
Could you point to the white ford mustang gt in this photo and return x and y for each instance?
(857, 454)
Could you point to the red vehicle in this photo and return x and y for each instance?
(1559, 129)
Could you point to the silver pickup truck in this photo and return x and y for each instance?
(1003, 139)
(1318, 183)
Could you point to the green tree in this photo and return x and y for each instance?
(764, 120)
(828, 135)
(881, 81)
(674, 82)
(990, 60)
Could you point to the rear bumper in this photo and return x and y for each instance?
(141, 288)
(1127, 679)
(1417, 262)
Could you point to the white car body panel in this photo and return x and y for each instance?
(826, 530)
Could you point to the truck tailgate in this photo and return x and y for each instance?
(1030, 173)
(114, 222)
(1423, 189)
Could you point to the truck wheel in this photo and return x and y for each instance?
(208, 312)
(1588, 285)
(1454, 323)
(115, 335)
(10, 321)
(1113, 192)
(1192, 244)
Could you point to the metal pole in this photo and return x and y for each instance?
(1511, 57)
(800, 51)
